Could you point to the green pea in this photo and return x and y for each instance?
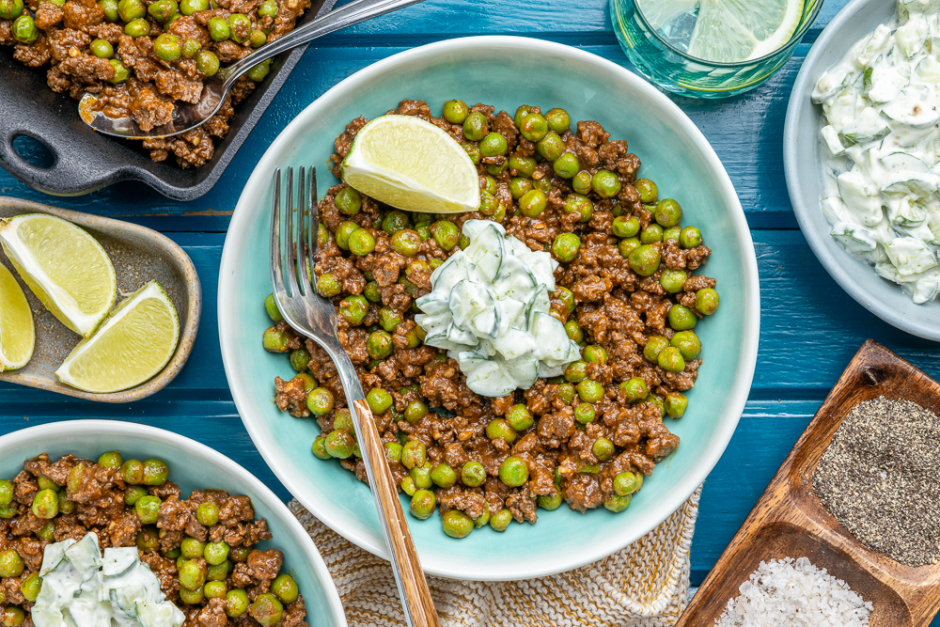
(519, 187)
(268, 8)
(11, 564)
(501, 520)
(617, 504)
(550, 502)
(675, 404)
(236, 603)
(567, 391)
(379, 400)
(257, 38)
(188, 7)
(361, 242)
(10, 9)
(456, 111)
(566, 297)
(585, 413)
(102, 49)
(339, 444)
(162, 10)
(372, 292)
(46, 504)
(148, 509)
(533, 127)
(521, 112)
(328, 286)
(348, 201)
(395, 221)
(353, 309)
(155, 472)
(590, 391)
(207, 62)
(219, 28)
(343, 232)
(148, 540)
(415, 411)
(519, 417)
(443, 475)
(513, 471)
(473, 151)
(45, 483)
(137, 28)
(192, 548)
(408, 486)
(551, 147)
(652, 234)
(671, 360)
(207, 513)
(270, 306)
(627, 246)
(130, 10)
(445, 233)
(319, 448)
(596, 354)
(576, 371)
(566, 247)
(475, 126)
(473, 474)
(240, 27)
(421, 475)
(603, 449)
(543, 184)
(500, 428)
(8, 511)
(240, 554)
(275, 340)
(457, 524)
(320, 401)
(657, 400)
(690, 237)
(606, 184)
(379, 345)
(672, 233)
(533, 203)
(484, 518)
(688, 344)
(285, 588)
(645, 260)
(567, 165)
(6, 492)
(647, 190)
(110, 9)
(558, 120)
(706, 301)
(524, 166)
(654, 346)
(134, 493)
(24, 29)
(30, 587)
(215, 590)
(216, 553)
(635, 389)
(13, 616)
(668, 212)
(681, 318)
(625, 226)
(192, 575)
(493, 145)
(406, 242)
(672, 280)
(309, 382)
(627, 483)
(414, 454)
(342, 419)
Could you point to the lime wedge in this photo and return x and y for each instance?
(66, 268)
(17, 334)
(412, 165)
(132, 345)
(728, 31)
(659, 13)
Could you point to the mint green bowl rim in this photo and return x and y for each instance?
(300, 547)
(436, 560)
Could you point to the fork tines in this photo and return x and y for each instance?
(300, 245)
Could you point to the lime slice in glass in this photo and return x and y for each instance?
(729, 31)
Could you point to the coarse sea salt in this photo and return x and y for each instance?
(797, 594)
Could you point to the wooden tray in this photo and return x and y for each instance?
(789, 521)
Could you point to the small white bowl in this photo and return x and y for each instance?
(192, 466)
(802, 161)
(505, 72)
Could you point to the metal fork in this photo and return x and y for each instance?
(314, 316)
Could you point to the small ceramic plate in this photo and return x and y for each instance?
(802, 162)
(139, 255)
(502, 71)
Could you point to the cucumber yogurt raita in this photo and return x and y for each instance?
(882, 149)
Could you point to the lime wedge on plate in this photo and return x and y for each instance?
(132, 345)
(411, 164)
(17, 334)
(728, 31)
(66, 268)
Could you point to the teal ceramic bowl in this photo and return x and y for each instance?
(505, 72)
(192, 466)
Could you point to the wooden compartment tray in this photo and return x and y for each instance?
(789, 521)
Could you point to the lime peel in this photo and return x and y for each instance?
(132, 345)
(412, 165)
(17, 330)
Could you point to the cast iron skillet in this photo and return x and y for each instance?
(84, 161)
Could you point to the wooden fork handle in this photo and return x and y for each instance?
(412, 586)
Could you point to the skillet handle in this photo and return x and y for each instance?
(64, 176)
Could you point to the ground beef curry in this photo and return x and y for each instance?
(625, 291)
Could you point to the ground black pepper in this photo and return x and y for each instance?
(878, 478)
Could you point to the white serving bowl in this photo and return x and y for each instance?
(505, 72)
(192, 466)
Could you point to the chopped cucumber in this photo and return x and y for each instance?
(486, 252)
(85, 555)
(54, 555)
(119, 560)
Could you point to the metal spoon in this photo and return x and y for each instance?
(188, 116)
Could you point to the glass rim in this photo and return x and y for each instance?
(732, 64)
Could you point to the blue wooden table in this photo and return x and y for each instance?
(810, 328)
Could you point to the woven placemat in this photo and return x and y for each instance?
(644, 585)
